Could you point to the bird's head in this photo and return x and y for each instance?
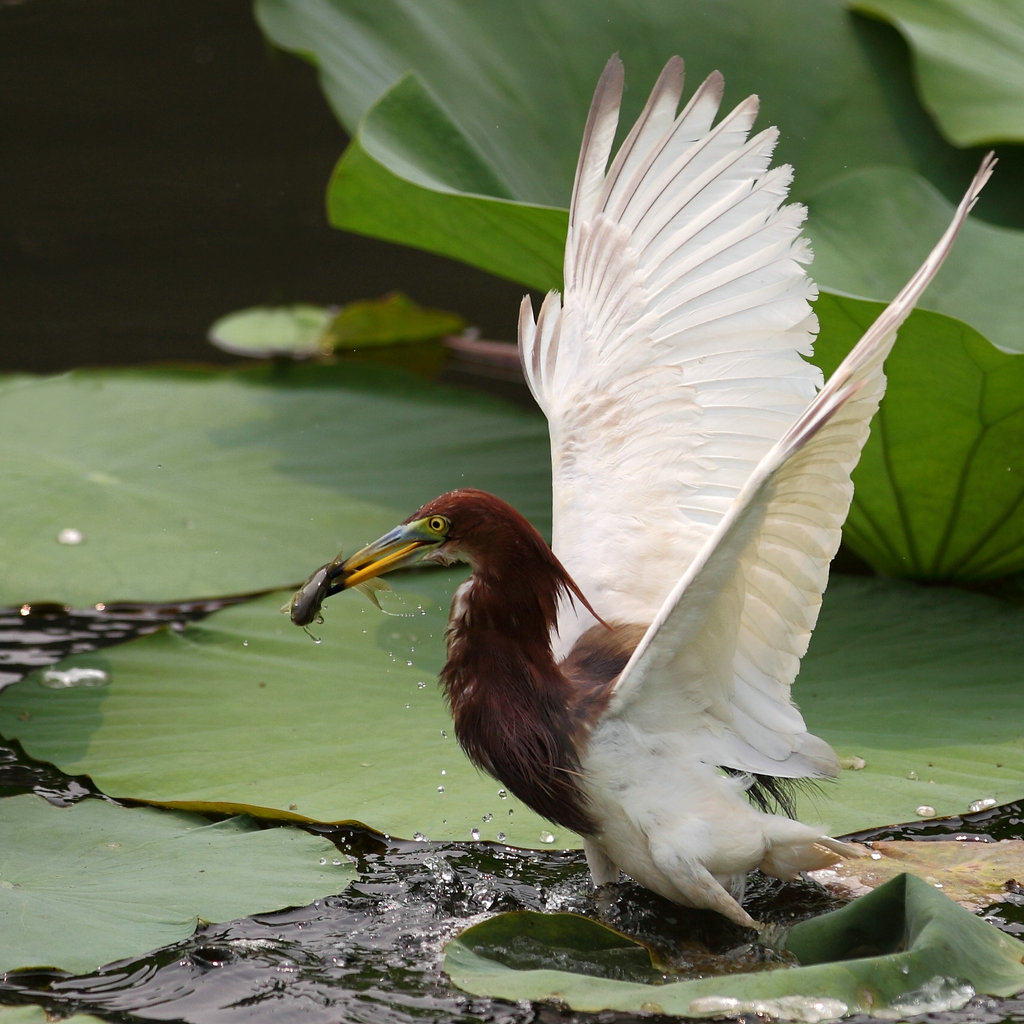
(466, 525)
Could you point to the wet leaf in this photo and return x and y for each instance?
(969, 62)
(88, 884)
(924, 684)
(903, 948)
(162, 485)
(974, 874)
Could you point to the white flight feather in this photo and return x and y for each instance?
(750, 599)
(700, 479)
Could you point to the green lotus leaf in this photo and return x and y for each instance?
(871, 230)
(939, 490)
(91, 883)
(272, 331)
(37, 1015)
(393, 318)
(160, 485)
(923, 684)
(903, 949)
(969, 62)
(460, 153)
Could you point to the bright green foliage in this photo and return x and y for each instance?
(939, 490)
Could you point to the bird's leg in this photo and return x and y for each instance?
(603, 869)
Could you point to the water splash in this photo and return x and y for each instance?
(77, 675)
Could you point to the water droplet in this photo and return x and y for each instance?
(981, 805)
(419, 837)
(78, 675)
(69, 535)
(440, 789)
(546, 837)
(444, 771)
(323, 860)
(474, 834)
(501, 837)
(925, 811)
(408, 664)
(912, 775)
(487, 818)
(502, 795)
(25, 610)
(245, 643)
(444, 734)
(421, 685)
(407, 707)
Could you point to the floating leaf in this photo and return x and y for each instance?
(903, 948)
(969, 60)
(924, 684)
(974, 874)
(264, 331)
(88, 884)
(162, 485)
(37, 1015)
(388, 320)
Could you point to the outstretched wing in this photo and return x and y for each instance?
(720, 657)
(673, 362)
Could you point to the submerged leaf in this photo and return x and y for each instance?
(904, 947)
(88, 884)
(976, 875)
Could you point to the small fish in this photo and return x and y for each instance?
(304, 606)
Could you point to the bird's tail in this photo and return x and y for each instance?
(786, 859)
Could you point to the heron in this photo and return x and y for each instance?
(632, 681)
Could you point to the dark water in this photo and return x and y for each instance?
(373, 953)
(163, 166)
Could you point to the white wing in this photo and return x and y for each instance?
(720, 656)
(673, 364)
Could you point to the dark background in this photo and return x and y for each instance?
(163, 165)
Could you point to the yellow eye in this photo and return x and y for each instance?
(437, 524)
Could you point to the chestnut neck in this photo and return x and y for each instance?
(513, 708)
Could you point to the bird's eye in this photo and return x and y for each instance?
(437, 524)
